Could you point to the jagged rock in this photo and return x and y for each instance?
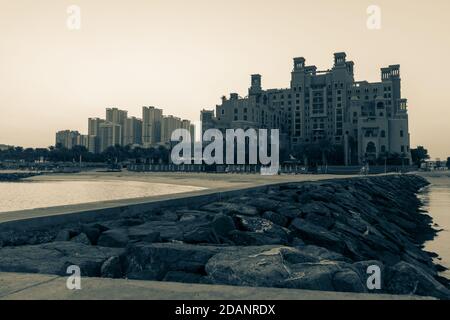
(298, 256)
(153, 261)
(276, 218)
(290, 212)
(231, 208)
(81, 238)
(63, 235)
(111, 268)
(143, 233)
(348, 281)
(55, 257)
(315, 234)
(223, 225)
(202, 234)
(248, 266)
(272, 266)
(322, 254)
(323, 221)
(92, 233)
(315, 207)
(263, 227)
(264, 204)
(130, 222)
(244, 238)
(168, 215)
(116, 238)
(404, 278)
(198, 215)
(312, 276)
(168, 230)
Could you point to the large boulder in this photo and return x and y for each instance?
(63, 235)
(115, 238)
(322, 254)
(289, 212)
(247, 238)
(315, 207)
(248, 266)
(314, 234)
(55, 257)
(81, 238)
(168, 230)
(405, 278)
(111, 268)
(280, 266)
(143, 233)
(276, 218)
(263, 227)
(223, 225)
(93, 233)
(152, 261)
(348, 281)
(312, 276)
(201, 234)
(264, 204)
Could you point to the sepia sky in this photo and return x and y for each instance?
(182, 56)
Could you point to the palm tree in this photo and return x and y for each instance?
(326, 148)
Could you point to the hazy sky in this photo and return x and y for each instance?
(182, 56)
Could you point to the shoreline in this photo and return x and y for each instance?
(363, 220)
(212, 183)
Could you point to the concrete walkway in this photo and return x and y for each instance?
(17, 286)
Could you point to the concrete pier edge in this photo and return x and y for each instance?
(22, 286)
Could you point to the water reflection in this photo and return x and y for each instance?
(436, 200)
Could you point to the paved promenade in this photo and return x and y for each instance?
(17, 286)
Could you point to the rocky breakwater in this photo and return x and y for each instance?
(313, 235)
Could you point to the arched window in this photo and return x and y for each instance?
(383, 149)
(371, 148)
(383, 133)
(380, 105)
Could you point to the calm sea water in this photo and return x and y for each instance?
(436, 199)
(24, 195)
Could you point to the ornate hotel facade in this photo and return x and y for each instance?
(369, 120)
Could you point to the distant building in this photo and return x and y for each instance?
(169, 124)
(119, 129)
(132, 131)
(94, 125)
(435, 165)
(109, 135)
(67, 138)
(368, 120)
(82, 140)
(151, 126)
(4, 147)
(94, 144)
(117, 116)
